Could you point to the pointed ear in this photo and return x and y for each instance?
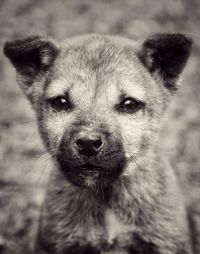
(31, 56)
(166, 55)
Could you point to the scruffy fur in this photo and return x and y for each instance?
(142, 210)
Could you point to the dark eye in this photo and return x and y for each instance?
(60, 103)
(129, 105)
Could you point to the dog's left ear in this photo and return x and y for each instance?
(167, 55)
(31, 56)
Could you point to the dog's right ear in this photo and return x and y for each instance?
(32, 55)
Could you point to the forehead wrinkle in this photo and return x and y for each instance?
(104, 76)
(84, 92)
(102, 59)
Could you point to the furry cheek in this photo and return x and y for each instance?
(55, 126)
(132, 131)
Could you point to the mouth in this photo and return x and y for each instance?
(88, 170)
(88, 167)
(92, 175)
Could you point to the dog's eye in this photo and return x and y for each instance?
(60, 103)
(129, 105)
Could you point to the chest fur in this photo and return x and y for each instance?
(117, 230)
(112, 237)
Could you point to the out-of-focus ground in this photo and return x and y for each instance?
(24, 165)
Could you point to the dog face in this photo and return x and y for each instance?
(99, 100)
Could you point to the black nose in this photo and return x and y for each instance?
(89, 144)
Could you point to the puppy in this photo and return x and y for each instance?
(99, 102)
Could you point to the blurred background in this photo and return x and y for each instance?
(24, 164)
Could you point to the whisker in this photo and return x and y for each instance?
(23, 123)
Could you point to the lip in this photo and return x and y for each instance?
(88, 168)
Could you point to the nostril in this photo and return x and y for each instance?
(97, 144)
(80, 143)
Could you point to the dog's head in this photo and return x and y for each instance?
(99, 100)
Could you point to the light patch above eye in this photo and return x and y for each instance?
(134, 91)
(57, 88)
